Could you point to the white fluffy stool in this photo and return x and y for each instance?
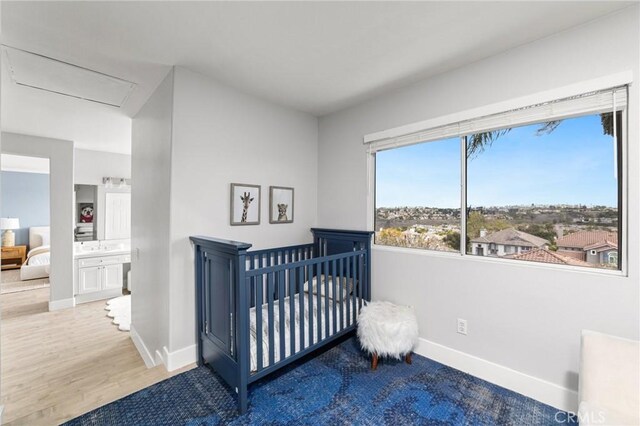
(385, 329)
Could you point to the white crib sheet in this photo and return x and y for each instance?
(287, 325)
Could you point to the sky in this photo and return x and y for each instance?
(572, 165)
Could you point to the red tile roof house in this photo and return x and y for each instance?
(505, 242)
(547, 256)
(594, 247)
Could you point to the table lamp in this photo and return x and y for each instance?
(8, 224)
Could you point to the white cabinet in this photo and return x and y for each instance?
(112, 276)
(97, 278)
(89, 279)
(100, 277)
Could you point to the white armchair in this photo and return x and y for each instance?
(609, 380)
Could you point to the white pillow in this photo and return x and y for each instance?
(347, 287)
(45, 239)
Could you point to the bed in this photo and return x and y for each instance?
(258, 311)
(38, 260)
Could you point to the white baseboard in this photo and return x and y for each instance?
(160, 359)
(98, 295)
(142, 348)
(180, 358)
(533, 387)
(55, 305)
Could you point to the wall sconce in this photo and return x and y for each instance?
(116, 182)
(108, 182)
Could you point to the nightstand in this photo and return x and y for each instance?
(13, 257)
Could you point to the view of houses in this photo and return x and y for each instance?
(562, 234)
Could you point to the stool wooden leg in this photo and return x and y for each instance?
(374, 361)
(407, 358)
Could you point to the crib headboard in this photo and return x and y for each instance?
(334, 241)
(38, 236)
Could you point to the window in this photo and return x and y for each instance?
(550, 184)
(547, 190)
(418, 196)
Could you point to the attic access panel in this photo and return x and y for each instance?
(44, 73)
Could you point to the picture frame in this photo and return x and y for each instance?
(281, 204)
(245, 204)
(85, 212)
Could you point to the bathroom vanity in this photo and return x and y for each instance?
(100, 269)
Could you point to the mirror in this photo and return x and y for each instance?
(102, 212)
(85, 228)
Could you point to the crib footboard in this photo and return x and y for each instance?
(221, 311)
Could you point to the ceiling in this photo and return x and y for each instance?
(317, 57)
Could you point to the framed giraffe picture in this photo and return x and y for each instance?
(245, 204)
(280, 204)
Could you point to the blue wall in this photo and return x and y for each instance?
(25, 196)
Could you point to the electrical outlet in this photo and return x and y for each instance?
(462, 326)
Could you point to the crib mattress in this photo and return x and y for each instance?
(287, 325)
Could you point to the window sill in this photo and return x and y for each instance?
(516, 263)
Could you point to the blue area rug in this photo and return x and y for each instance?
(335, 388)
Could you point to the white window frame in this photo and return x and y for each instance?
(577, 89)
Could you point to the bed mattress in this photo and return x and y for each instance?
(37, 264)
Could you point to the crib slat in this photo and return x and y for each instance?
(335, 295)
(326, 299)
(355, 290)
(258, 284)
(281, 319)
(252, 292)
(361, 276)
(310, 298)
(318, 301)
(342, 288)
(301, 305)
(292, 312)
(270, 316)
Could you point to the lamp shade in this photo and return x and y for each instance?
(9, 223)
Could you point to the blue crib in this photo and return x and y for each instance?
(257, 311)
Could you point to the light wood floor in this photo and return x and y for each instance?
(58, 365)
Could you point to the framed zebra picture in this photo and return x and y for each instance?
(245, 204)
(280, 204)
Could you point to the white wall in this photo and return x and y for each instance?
(220, 136)
(150, 206)
(527, 318)
(92, 166)
(60, 154)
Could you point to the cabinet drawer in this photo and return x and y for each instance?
(90, 261)
(104, 260)
(110, 260)
(11, 251)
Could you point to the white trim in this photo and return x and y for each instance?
(55, 305)
(98, 295)
(160, 359)
(511, 262)
(588, 86)
(142, 348)
(533, 387)
(180, 358)
(1, 413)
